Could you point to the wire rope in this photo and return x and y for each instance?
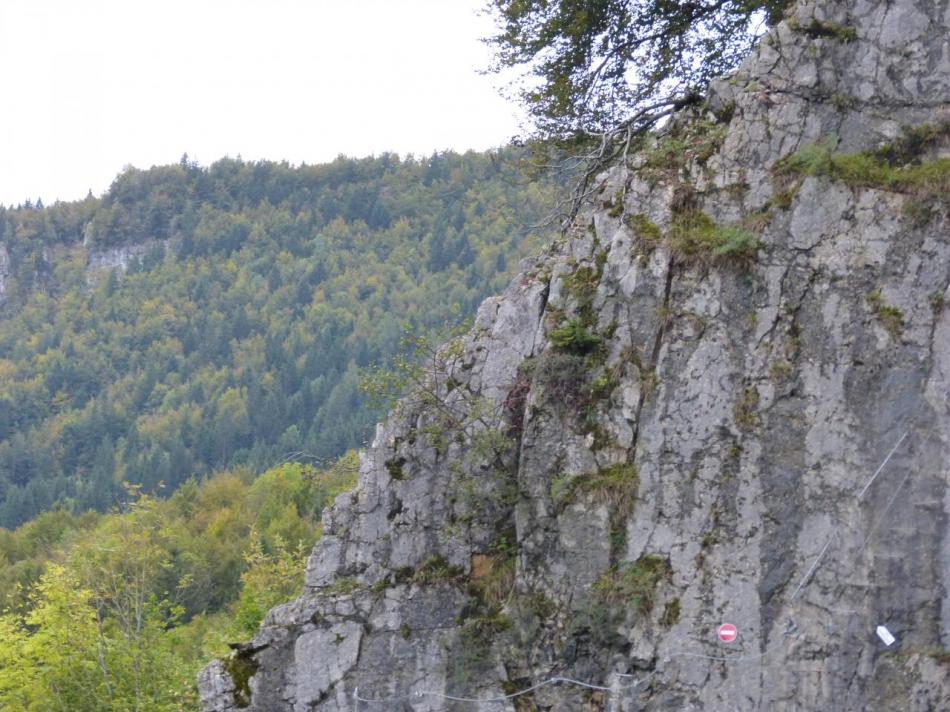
(732, 659)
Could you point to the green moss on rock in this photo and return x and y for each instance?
(890, 316)
(437, 570)
(240, 667)
(896, 167)
(745, 409)
(671, 613)
(695, 236)
(644, 228)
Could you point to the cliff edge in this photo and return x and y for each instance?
(722, 397)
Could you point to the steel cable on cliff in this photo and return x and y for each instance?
(928, 463)
(730, 659)
(817, 562)
(357, 699)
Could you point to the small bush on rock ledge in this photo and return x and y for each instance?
(896, 167)
(574, 337)
(634, 584)
(695, 237)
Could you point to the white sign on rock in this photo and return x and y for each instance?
(885, 635)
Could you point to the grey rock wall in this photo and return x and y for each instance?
(101, 261)
(763, 443)
(4, 270)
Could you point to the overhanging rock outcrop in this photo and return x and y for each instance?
(722, 397)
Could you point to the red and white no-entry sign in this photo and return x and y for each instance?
(727, 632)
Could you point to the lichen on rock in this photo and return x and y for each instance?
(709, 455)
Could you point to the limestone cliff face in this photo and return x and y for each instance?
(659, 428)
(4, 270)
(99, 261)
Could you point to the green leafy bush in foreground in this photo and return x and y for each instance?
(119, 611)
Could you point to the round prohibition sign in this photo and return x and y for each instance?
(727, 632)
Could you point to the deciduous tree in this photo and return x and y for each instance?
(596, 65)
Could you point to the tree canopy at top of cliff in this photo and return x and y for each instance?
(591, 65)
(253, 295)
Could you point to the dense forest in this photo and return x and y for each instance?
(197, 319)
(119, 611)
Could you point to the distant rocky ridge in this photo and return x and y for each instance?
(99, 261)
(4, 270)
(724, 396)
(120, 257)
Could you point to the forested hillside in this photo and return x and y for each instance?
(195, 319)
(118, 611)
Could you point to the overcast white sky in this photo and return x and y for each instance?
(91, 86)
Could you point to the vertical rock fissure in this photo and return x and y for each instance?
(654, 355)
(939, 309)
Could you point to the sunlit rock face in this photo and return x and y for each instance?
(722, 397)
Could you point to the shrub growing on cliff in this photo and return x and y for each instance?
(574, 337)
(890, 316)
(615, 486)
(694, 236)
(634, 584)
(895, 167)
(745, 409)
(437, 570)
